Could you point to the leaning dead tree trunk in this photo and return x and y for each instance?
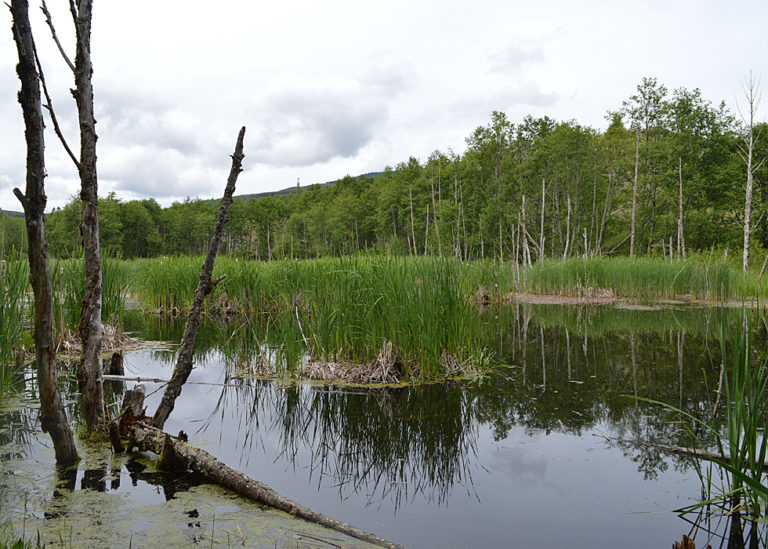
(53, 419)
(184, 362)
(90, 315)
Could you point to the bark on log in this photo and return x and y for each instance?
(147, 438)
(53, 419)
(184, 362)
(90, 313)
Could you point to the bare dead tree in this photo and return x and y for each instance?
(752, 93)
(634, 198)
(53, 419)
(90, 314)
(680, 227)
(90, 326)
(184, 362)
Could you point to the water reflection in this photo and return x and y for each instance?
(452, 453)
(387, 443)
(400, 444)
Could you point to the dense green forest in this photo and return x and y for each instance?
(566, 187)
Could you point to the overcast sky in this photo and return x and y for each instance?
(329, 88)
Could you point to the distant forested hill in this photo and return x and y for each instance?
(291, 190)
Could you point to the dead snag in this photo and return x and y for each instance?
(90, 314)
(184, 361)
(53, 418)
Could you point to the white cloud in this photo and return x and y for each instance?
(304, 122)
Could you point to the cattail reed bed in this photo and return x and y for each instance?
(405, 318)
(643, 278)
(400, 317)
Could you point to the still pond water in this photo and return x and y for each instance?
(528, 456)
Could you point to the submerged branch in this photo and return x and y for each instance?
(681, 451)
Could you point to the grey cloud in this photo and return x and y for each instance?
(150, 147)
(157, 172)
(307, 122)
(125, 120)
(514, 57)
(508, 99)
(528, 93)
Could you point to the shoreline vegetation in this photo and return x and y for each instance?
(366, 318)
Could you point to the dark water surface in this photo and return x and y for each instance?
(528, 456)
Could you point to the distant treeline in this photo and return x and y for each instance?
(539, 187)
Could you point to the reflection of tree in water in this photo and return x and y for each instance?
(400, 443)
(395, 443)
(389, 443)
(588, 376)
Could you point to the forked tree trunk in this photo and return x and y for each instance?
(53, 419)
(184, 362)
(90, 315)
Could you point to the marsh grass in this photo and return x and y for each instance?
(643, 278)
(746, 391)
(342, 310)
(67, 278)
(13, 311)
(163, 284)
(346, 310)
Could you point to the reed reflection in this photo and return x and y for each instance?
(393, 444)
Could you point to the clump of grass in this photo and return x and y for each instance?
(746, 391)
(165, 284)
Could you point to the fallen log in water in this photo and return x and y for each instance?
(176, 452)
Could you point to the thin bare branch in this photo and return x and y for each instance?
(49, 107)
(49, 21)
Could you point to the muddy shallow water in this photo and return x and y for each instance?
(528, 455)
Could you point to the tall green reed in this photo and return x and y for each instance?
(13, 289)
(640, 278)
(746, 391)
(67, 278)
